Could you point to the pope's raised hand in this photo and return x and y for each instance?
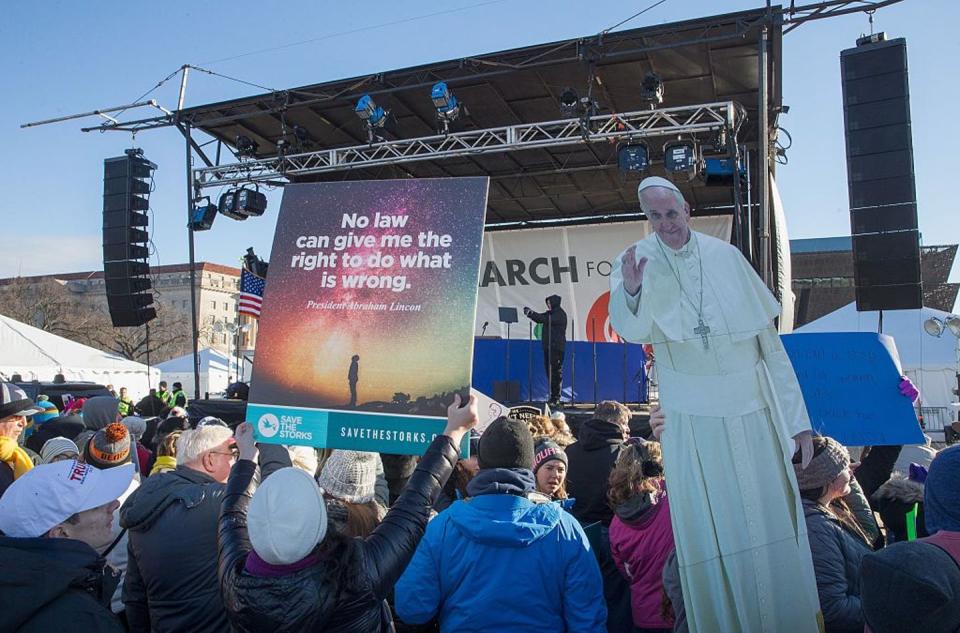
(632, 270)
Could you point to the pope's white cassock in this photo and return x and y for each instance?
(732, 406)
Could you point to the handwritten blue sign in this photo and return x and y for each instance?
(850, 384)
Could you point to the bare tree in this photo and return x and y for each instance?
(48, 305)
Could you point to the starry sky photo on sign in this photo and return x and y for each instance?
(412, 327)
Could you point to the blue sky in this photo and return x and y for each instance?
(66, 57)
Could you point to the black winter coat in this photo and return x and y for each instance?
(68, 426)
(590, 460)
(55, 584)
(836, 563)
(171, 581)
(345, 592)
(554, 324)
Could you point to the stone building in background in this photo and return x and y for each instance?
(823, 276)
(74, 305)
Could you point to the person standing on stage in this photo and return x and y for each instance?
(733, 416)
(554, 339)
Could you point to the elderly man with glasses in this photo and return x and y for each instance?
(171, 582)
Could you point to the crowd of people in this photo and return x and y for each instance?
(114, 521)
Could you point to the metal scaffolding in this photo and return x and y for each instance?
(626, 127)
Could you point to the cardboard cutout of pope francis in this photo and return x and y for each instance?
(734, 416)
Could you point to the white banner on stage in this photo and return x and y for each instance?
(522, 268)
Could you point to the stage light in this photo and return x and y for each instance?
(203, 215)
(302, 135)
(447, 105)
(633, 158)
(933, 326)
(444, 101)
(718, 172)
(378, 120)
(680, 160)
(369, 111)
(651, 89)
(246, 146)
(569, 102)
(252, 202)
(228, 206)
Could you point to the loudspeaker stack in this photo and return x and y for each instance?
(126, 267)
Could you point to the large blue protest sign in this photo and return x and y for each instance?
(850, 384)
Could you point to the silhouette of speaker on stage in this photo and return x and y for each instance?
(554, 340)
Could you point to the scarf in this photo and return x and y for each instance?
(11, 453)
(163, 463)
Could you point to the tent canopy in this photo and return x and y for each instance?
(215, 370)
(39, 355)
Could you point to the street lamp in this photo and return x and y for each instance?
(936, 327)
(234, 330)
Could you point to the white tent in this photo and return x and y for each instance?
(39, 355)
(930, 362)
(215, 371)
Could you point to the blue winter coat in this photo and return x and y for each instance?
(499, 562)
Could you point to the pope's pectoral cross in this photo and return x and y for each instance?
(703, 330)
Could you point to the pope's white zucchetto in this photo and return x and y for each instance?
(656, 181)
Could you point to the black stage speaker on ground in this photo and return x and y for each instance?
(126, 267)
(880, 178)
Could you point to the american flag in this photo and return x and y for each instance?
(251, 293)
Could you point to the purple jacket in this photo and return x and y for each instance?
(641, 538)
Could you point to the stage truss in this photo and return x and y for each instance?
(617, 127)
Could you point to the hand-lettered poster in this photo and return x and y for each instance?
(366, 331)
(850, 383)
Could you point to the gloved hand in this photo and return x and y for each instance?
(908, 389)
(917, 473)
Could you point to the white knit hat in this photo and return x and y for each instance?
(350, 476)
(287, 517)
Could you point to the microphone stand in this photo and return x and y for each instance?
(573, 364)
(593, 335)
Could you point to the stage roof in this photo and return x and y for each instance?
(706, 60)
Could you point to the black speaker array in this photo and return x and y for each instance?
(880, 177)
(126, 267)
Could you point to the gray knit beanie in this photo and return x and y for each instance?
(824, 467)
(100, 411)
(349, 476)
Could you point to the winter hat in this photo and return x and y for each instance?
(287, 517)
(49, 412)
(14, 401)
(56, 446)
(136, 425)
(912, 586)
(100, 411)
(211, 419)
(304, 458)
(350, 476)
(544, 451)
(109, 447)
(941, 497)
(824, 467)
(506, 443)
(171, 424)
(51, 493)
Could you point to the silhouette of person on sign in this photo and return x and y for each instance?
(352, 377)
